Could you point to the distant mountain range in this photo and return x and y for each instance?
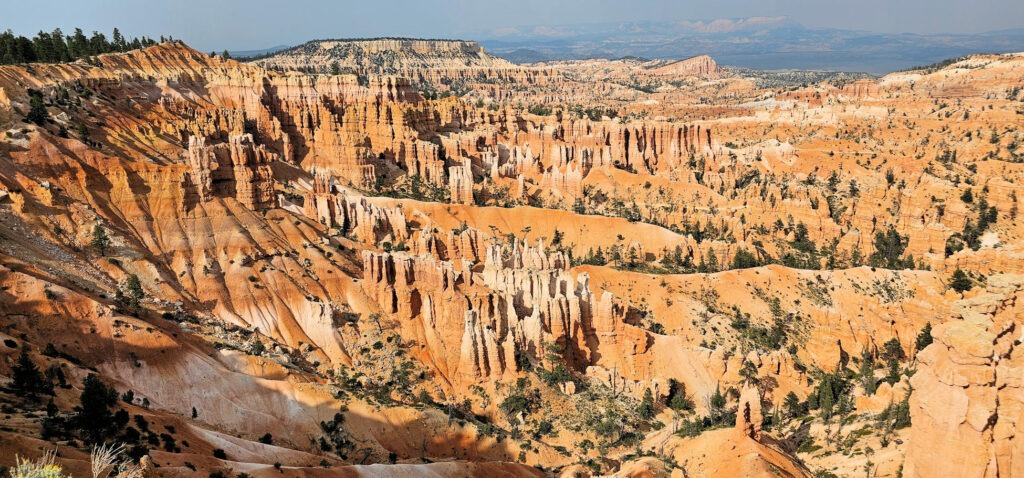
(260, 52)
(770, 43)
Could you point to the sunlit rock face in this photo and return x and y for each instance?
(392, 284)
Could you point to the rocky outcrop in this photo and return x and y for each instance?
(522, 301)
(968, 392)
(238, 168)
(748, 415)
(460, 183)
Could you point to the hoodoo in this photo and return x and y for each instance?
(399, 257)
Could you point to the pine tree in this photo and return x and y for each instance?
(28, 381)
(792, 405)
(743, 259)
(960, 282)
(100, 240)
(646, 410)
(894, 372)
(677, 399)
(712, 261)
(924, 338)
(118, 43)
(717, 404)
(93, 416)
(901, 418)
(37, 109)
(826, 399)
(133, 292)
(893, 350)
(749, 372)
(867, 372)
(812, 401)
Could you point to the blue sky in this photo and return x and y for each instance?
(254, 24)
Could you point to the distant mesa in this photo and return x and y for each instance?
(407, 57)
(702, 65)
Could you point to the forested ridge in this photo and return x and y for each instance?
(56, 47)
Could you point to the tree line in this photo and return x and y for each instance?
(56, 47)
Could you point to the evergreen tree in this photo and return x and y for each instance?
(892, 350)
(78, 44)
(749, 372)
(812, 401)
(133, 291)
(712, 264)
(901, 418)
(55, 47)
(894, 372)
(677, 399)
(743, 259)
(960, 282)
(646, 410)
(118, 41)
(717, 404)
(257, 348)
(37, 109)
(59, 46)
(93, 416)
(889, 247)
(130, 294)
(826, 397)
(867, 372)
(28, 381)
(100, 240)
(792, 405)
(924, 338)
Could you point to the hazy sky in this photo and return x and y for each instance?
(254, 24)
